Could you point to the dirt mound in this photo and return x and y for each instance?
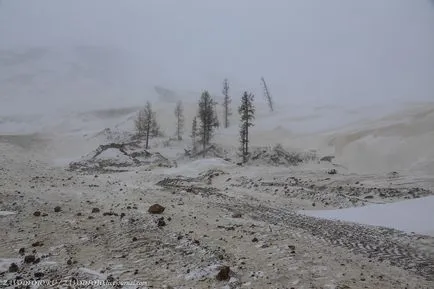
(278, 156)
(119, 157)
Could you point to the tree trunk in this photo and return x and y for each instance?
(247, 142)
(148, 130)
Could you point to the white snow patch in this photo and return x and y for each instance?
(202, 273)
(93, 274)
(6, 213)
(194, 168)
(110, 154)
(415, 215)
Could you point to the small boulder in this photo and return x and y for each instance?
(95, 210)
(29, 259)
(37, 244)
(161, 222)
(156, 209)
(237, 215)
(13, 268)
(57, 209)
(223, 274)
(37, 214)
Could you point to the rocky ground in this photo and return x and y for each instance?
(232, 227)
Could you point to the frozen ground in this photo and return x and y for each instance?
(217, 212)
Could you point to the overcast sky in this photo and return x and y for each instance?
(308, 50)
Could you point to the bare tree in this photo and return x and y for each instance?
(155, 129)
(226, 103)
(194, 134)
(247, 115)
(179, 114)
(208, 118)
(144, 122)
(267, 95)
(216, 118)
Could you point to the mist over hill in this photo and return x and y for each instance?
(357, 53)
(45, 79)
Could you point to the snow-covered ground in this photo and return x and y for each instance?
(412, 216)
(216, 211)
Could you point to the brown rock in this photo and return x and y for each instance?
(156, 209)
(223, 274)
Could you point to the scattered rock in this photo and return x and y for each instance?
(22, 251)
(29, 259)
(156, 209)
(161, 222)
(95, 210)
(134, 239)
(37, 214)
(110, 279)
(223, 274)
(255, 240)
(332, 172)
(237, 215)
(110, 214)
(13, 268)
(37, 244)
(39, 275)
(57, 209)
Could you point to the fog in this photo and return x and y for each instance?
(310, 52)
